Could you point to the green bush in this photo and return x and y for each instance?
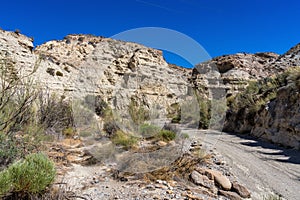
(166, 135)
(148, 130)
(5, 182)
(124, 139)
(30, 175)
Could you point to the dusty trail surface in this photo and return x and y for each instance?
(261, 166)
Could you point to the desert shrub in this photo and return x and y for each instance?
(293, 77)
(124, 139)
(165, 135)
(85, 119)
(137, 113)
(54, 112)
(5, 182)
(30, 175)
(33, 174)
(148, 130)
(16, 146)
(17, 31)
(20, 141)
(8, 150)
(256, 94)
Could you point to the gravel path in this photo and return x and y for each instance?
(262, 167)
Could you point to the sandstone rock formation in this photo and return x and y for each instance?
(234, 71)
(269, 107)
(279, 120)
(119, 72)
(124, 72)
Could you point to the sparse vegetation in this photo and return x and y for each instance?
(16, 97)
(244, 106)
(124, 139)
(196, 112)
(25, 115)
(137, 112)
(17, 31)
(110, 128)
(30, 175)
(55, 113)
(148, 130)
(5, 182)
(165, 135)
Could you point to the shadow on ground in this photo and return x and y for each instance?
(283, 154)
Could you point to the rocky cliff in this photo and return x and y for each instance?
(124, 72)
(119, 72)
(265, 103)
(261, 93)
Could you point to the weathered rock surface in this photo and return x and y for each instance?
(279, 120)
(241, 190)
(121, 72)
(230, 195)
(220, 179)
(201, 180)
(231, 73)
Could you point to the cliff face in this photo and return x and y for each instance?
(267, 106)
(235, 71)
(120, 72)
(279, 120)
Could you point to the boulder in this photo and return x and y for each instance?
(241, 190)
(219, 178)
(201, 180)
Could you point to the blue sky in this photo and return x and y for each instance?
(221, 27)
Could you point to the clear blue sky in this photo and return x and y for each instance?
(220, 26)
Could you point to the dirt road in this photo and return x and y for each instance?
(262, 167)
